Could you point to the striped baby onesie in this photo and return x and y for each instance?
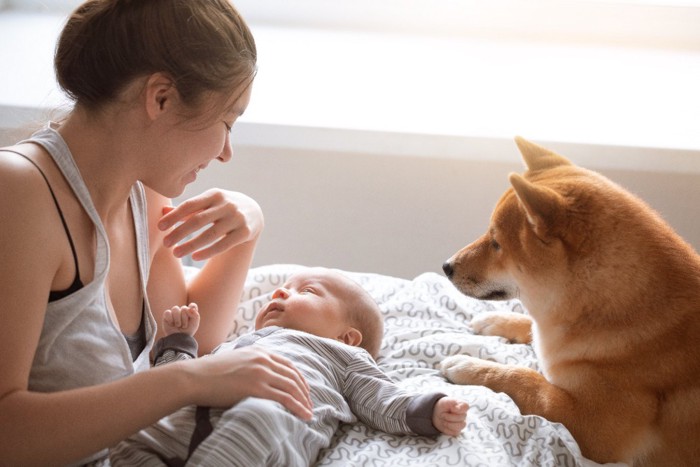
(346, 385)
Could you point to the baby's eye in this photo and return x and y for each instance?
(307, 290)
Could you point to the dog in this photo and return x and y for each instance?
(612, 295)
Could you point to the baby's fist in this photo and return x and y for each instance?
(450, 416)
(181, 319)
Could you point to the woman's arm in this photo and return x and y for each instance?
(57, 428)
(228, 225)
(60, 427)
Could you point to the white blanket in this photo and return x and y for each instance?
(425, 321)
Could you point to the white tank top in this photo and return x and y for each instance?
(80, 345)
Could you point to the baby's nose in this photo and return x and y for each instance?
(280, 293)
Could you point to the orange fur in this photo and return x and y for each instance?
(613, 294)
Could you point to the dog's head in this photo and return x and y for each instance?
(539, 231)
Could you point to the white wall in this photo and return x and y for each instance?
(399, 215)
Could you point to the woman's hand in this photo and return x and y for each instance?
(225, 378)
(226, 219)
(221, 227)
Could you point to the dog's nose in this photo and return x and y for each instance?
(447, 267)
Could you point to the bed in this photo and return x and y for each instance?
(425, 321)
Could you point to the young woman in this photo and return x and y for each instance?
(90, 245)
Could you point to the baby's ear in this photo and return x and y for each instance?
(351, 336)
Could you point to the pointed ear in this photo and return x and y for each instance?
(536, 157)
(160, 94)
(543, 206)
(351, 336)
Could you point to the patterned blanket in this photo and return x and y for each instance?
(426, 320)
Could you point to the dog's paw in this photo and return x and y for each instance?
(463, 369)
(515, 327)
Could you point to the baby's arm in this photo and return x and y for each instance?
(450, 415)
(183, 319)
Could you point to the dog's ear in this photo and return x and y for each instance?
(543, 206)
(538, 158)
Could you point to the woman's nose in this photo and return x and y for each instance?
(281, 293)
(227, 151)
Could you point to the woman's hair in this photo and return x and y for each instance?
(204, 46)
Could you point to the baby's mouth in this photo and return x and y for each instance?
(273, 307)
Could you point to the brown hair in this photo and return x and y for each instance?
(204, 46)
(364, 315)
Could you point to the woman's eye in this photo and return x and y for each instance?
(228, 127)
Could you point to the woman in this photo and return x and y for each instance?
(87, 222)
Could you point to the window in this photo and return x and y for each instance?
(671, 23)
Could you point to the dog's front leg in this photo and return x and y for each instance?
(529, 389)
(515, 327)
(608, 429)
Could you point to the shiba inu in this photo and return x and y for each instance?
(613, 300)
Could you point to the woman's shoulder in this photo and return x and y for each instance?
(25, 198)
(21, 174)
(29, 222)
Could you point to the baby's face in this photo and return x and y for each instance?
(310, 301)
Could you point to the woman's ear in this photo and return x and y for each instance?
(160, 94)
(351, 336)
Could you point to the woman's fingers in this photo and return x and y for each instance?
(291, 372)
(215, 221)
(212, 241)
(282, 385)
(184, 210)
(192, 224)
(291, 403)
(226, 378)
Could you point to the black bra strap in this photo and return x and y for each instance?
(60, 213)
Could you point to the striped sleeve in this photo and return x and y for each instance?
(381, 404)
(175, 347)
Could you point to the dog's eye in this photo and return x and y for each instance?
(495, 245)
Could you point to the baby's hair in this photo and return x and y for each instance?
(366, 316)
(204, 46)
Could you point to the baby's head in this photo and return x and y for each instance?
(328, 304)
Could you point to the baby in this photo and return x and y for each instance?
(331, 328)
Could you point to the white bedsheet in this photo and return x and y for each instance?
(425, 321)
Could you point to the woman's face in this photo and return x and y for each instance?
(188, 147)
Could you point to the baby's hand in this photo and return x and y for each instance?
(181, 319)
(450, 415)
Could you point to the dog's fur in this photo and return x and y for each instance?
(613, 295)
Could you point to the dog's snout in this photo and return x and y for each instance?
(447, 267)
